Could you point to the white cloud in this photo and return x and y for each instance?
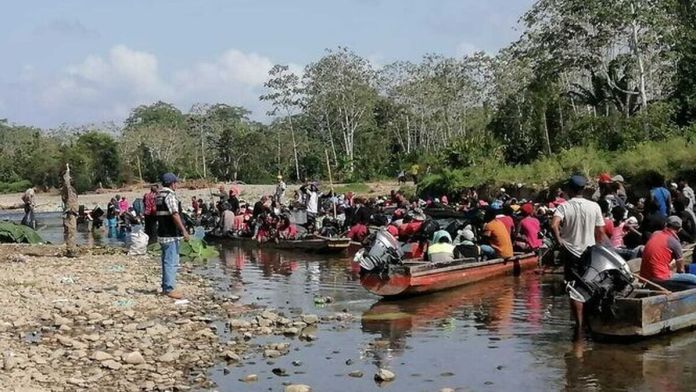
(105, 88)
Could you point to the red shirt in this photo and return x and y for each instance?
(608, 227)
(408, 230)
(289, 232)
(661, 249)
(507, 222)
(529, 228)
(149, 202)
(358, 232)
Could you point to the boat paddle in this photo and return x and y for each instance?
(642, 279)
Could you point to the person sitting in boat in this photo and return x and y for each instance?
(286, 230)
(358, 232)
(663, 248)
(529, 228)
(465, 247)
(441, 249)
(267, 225)
(227, 223)
(497, 235)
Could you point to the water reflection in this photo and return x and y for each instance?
(663, 364)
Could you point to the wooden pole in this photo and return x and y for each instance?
(642, 279)
(69, 196)
(328, 166)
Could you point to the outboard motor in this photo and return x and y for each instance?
(383, 251)
(601, 276)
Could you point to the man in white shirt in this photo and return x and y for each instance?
(577, 225)
(688, 194)
(279, 195)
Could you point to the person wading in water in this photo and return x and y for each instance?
(577, 224)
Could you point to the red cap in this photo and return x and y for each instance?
(605, 178)
(527, 208)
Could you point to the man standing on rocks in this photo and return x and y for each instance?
(170, 231)
(151, 213)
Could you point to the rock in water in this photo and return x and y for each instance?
(232, 357)
(249, 378)
(310, 318)
(134, 358)
(271, 353)
(356, 374)
(384, 375)
(298, 388)
(447, 390)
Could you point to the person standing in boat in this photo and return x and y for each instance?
(279, 195)
(663, 248)
(577, 225)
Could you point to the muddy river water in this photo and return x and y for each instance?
(507, 334)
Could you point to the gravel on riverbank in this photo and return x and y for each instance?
(96, 322)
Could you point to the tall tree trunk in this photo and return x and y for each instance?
(294, 148)
(639, 57)
(205, 170)
(546, 132)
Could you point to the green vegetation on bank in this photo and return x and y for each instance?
(590, 85)
(674, 158)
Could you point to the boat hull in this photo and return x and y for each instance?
(421, 278)
(316, 245)
(647, 313)
(649, 316)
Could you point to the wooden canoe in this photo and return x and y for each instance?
(422, 277)
(311, 244)
(647, 312)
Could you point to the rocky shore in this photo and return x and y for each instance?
(97, 322)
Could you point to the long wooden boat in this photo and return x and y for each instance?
(647, 312)
(422, 277)
(315, 244)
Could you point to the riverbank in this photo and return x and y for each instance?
(51, 202)
(96, 322)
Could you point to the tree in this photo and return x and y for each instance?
(684, 12)
(284, 95)
(339, 89)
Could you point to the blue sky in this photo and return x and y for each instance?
(85, 61)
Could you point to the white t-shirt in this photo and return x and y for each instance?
(579, 218)
(313, 203)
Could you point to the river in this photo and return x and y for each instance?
(507, 334)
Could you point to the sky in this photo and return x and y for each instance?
(80, 62)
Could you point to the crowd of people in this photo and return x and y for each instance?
(653, 226)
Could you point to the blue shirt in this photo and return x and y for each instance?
(660, 195)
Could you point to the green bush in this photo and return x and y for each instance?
(672, 158)
(14, 187)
